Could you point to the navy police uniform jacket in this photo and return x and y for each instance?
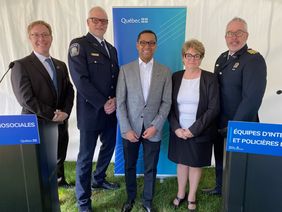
(242, 80)
(94, 74)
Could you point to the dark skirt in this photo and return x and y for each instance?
(194, 152)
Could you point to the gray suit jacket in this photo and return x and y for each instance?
(132, 110)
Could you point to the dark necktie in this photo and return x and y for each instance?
(104, 47)
(54, 78)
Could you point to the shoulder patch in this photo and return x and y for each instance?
(251, 51)
(74, 49)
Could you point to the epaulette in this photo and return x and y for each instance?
(79, 38)
(251, 51)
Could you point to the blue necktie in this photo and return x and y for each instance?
(54, 78)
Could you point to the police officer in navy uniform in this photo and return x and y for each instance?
(241, 73)
(94, 70)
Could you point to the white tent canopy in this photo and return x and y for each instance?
(206, 21)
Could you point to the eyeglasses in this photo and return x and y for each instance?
(43, 35)
(238, 33)
(190, 56)
(97, 20)
(149, 43)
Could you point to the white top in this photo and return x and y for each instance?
(45, 63)
(145, 76)
(188, 100)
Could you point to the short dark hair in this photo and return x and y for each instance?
(146, 31)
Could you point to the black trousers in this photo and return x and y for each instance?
(63, 140)
(151, 152)
(218, 143)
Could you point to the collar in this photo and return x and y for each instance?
(141, 62)
(41, 57)
(239, 52)
(98, 39)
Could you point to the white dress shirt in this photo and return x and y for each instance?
(45, 63)
(145, 76)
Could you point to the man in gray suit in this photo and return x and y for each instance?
(143, 103)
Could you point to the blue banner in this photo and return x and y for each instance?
(256, 138)
(19, 129)
(169, 25)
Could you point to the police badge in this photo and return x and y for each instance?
(74, 49)
(235, 66)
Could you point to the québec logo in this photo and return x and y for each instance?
(134, 20)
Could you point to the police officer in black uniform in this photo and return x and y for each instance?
(94, 70)
(241, 74)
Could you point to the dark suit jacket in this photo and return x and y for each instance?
(208, 107)
(94, 74)
(242, 82)
(35, 91)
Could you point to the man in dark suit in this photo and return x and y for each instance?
(63, 141)
(241, 73)
(143, 103)
(41, 85)
(94, 69)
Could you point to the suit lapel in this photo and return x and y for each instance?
(225, 62)
(136, 69)
(110, 48)
(97, 45)
(59, 73)
(178, 83)
(39, 67)
(227, 59)
(154, 80)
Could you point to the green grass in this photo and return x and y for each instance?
(165, 191)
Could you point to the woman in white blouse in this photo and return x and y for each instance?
(195, 105)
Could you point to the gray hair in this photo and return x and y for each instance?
(96, 8)
(238, 19)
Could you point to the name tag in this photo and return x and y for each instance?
(95, 54)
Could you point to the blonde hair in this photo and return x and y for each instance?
(39, 22)
(194, 44)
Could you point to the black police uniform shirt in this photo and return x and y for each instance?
(242, 80)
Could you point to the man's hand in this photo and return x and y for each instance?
(149, 132)
(60, 116)
(110, 106)
(131, 136)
